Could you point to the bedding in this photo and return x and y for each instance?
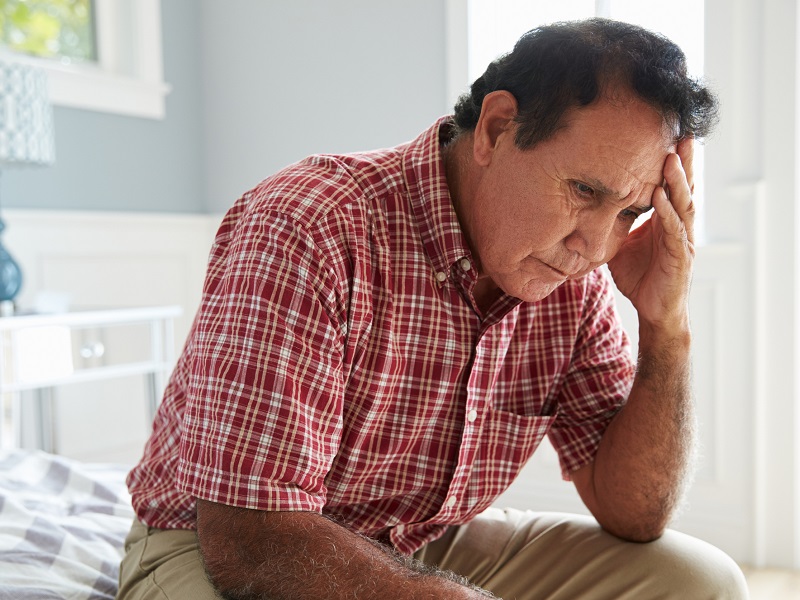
(62, 527)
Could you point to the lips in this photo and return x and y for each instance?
(567, 272)
(557, 271)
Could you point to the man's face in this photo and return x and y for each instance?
(559, 210)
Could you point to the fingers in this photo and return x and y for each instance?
(676, 209)
(686, 154)
(678, 185)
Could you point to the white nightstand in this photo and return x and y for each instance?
(41, 353)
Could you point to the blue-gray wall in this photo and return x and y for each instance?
(292, 78)
(117, 163)
(255, 85)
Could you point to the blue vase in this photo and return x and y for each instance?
(10, 273)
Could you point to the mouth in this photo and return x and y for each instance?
(570, 273)
(558, 272)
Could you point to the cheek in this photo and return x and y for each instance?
(513, 220)
(615, 242)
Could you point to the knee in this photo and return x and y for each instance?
(690, 568)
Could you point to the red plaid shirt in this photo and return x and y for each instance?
(337, 363)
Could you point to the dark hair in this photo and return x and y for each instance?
(558, 67)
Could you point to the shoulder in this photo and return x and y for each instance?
(320, 210)
(308, 191)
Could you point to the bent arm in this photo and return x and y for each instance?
(645, 458)
(303, 555)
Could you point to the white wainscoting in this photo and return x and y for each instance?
(112, 260)
(109, 260)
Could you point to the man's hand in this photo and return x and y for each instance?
(653, 269)
(645, 458)
(250, 554)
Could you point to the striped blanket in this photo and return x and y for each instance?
(62, 527)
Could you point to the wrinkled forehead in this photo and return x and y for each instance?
(622, 145)
(623, 103)
(617, 92)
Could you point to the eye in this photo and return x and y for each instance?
(583, 190)
(629, 215)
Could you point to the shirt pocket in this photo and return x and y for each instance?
(507, 441)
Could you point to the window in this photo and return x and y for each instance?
(494, 25)
(62, 29)
(106, 55)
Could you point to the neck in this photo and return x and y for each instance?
(456, 167)
(460, 182)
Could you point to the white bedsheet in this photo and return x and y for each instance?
(62, 527)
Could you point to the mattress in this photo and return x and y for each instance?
(62, 527)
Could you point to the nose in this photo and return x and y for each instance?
(592, 238)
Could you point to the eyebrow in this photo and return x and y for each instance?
(598, 186)
(601, 188)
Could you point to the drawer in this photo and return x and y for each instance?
(52, 350)
(112, 345)
(72, 364)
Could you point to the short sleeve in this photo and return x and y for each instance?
(598, 379)
(264, 402)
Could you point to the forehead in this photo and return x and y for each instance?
(622, 143)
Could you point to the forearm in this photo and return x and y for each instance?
(303, 555)
(645, 459)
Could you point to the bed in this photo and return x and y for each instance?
(62, 527)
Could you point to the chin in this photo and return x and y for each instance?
(535, 291)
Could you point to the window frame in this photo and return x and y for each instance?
(128, 78)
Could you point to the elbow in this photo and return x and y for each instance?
(638, 531)
(224, 557)
(220, 574)
(637, 518)
(231, 571)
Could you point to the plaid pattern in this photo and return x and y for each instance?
(338, 364)
(62, 527)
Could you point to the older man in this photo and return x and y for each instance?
(386, 337)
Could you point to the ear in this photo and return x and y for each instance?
(497, 117)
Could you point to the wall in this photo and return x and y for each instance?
(288, 79)
(753, 166)
(116, 163)
(255, 85)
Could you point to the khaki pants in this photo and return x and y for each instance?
(515, 554)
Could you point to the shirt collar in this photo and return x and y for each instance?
(426, 182)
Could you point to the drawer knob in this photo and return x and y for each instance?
(92, 350)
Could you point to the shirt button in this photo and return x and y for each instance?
(472, 415)
(451, 502)
(441, 277)
(465, 264)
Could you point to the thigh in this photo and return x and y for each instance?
(527, 555)
(163, 564)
